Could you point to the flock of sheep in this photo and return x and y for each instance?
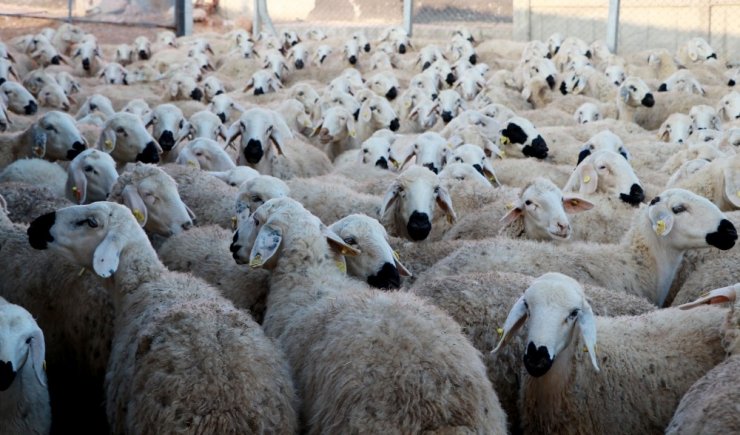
(352, 233)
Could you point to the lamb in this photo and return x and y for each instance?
(258, 129)
(632, 94)
(538, 212)
(688, 168)
(258, 393)
(480, 303)
(95, 104)
(263, 81)
(222, 105)
(152, 196)
(518, 137)
(36, 172)
(318, 317)
(625, 372)
(719, 181)
(53, 136)
(408, 206)
(114, 74)
(644, 263)
(698, 410)
(90, 177)
(53, 95)
(126, 139)
(682, 81)
(183, 87)
(22, 351)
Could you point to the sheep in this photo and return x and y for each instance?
(729, 106)
(430, 150)
(114, 74)
(205, 154)
(408, 206)
(336, 129)
(168, 125)
(676, 128)
(695, 50)
(603, 140)
(89, 53)
(36, 172)
(518, 137)
(95, 104)
(25, 201)
(205, 124)
(633, 93)
(126, 139)
(17, 99)
(7, 71)
(321, 53)
(561, 321)
(423, 115)
(263, 81)
(643, 263)
(183, 87)
(52, 95)
(22, 355)
(608, 172)
(375, 113)
(37, 79)
(143, 47)
(685, 170)
(538, 212)
(476, 157)
(682, 81)
(450, 104)
(114, 243)
(719, 181)
(235, 176)
(704, 117)
(330, 309)
(90, 177)
(152, 196)
(587, 112)
(222, 106)
(480, 303)
(124, 54)
(698, 410)
(53, 136)
(258, 129)
(209, 198)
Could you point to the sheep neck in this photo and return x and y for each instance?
(626, 112)
(654, 258)
(25, 395)
(138, 264)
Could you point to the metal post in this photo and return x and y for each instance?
(69, 10)
(183, 17)
(612, 26)
(408, 11)
(256, 18)
(265, 17)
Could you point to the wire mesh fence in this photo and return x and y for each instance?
(147, 13)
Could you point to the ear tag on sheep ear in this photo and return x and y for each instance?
(397, 165)
(352, 133)
(342, 267)
(585, 349)
(82, 272)
(108, 144)
(256, 261)
(396, 256)
(501, 154)
(500, 332)
(509, 205)
(76, 192)
(138, 215)
(306, 123)
(43, 365)
(587, 179)
(504, 140)
(192, 164)
(233, 223)
(737, 193)
(660, 227)
(407, 104)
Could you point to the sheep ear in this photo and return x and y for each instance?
(697, 87)
(409, 156)
(233, 132)
(490, 173)
(77, 183)
(587, 325)
(624, 94)
(445, 203)
(663, 133)
(661, 219)
(693, 55)
(337, 244)
(37, 356)
(401, 268)
(365, 113)
(716, 296)
(351, 129)
(390, 197)
(414, 113)
(265, 247)
(39, 141)
(732, 186)
(148, 119)
(107, 140)
(135, 203)
(317, 128)
(516, 318)
(280, 132)
(250, 85)
(572, 204)
(588, 178)
(513, 214)
(173, 90)
(105, 259)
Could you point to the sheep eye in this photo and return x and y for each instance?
(526, 305)
(88, 168)
(51, 128)
(364, 150)
(527, 202)
(182, 123)
(458, 159)
(256, 198)
(574, 314)
(350, 241)
(436, 189)
(679, 209)
(602, 167)
(120, 130)
(632, 88)
(29, 340)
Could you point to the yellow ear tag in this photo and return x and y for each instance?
(660, 227)
(585, 349)
(500, 332)
(504, 140)
(306, 124)
(502, 154)
(256, 261)
(586, 179)
(342, 267)
(395, 164)
(192, 163)
(737, 193)
(76, 192)
(396, 256)
(138, 215)
(38, 151)
(574, 202)
(108, 144)
(82, 272)
(407, 104)
(233, 222)
(352, 133)
(450, 220)
(509, 205)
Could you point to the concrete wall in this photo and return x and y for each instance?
(643, 23)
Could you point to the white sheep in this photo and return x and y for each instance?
(263, 81)
(676, 128)
(36, 172)
(236, 176)
(168, 125)
(114, 74)
(126, 139)
(205, 124)
(53, 136)
(26, 406)
(704, 117)
(644, 263)
(729, 106)
(223, 106)
(17, 99)
(587, 112)
(90, 177)
(719, 181)
(258, 393)
(622, 350)
(329, 357)
(205, 154)
(605, 171)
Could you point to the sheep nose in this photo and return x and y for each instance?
(353, 59)
(86, 64)
(7, 375)
(478, 168)
(663, 87)
(712, 56)
(222, 117)
(446, 116)
(537, 361)
(402, 48)
(725, 236)
(450, 79)
(588, 54)
(538, 149)
(299, 64)
(187, 225)
(648, 101)
(143, 55)
(392, 93)
(197, 94)
(419, 226)
(56, 60)
(253, 151)
(387, 277)
(367, 48)
(167, 140)
(431, 167)
(426, 65)
(473, 59)
(434, 97)
(30, 108)
(550, 81)
(149, 155)
(635, 197)
(395, 124)
(382, 163)
(259, 91)
(729, 83)
(563, 89)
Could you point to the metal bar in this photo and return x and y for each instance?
(265, 16)
(69, 10)
(183, 17)
(408, 12)
(612, 26)
(87, 20)
(256, 27)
